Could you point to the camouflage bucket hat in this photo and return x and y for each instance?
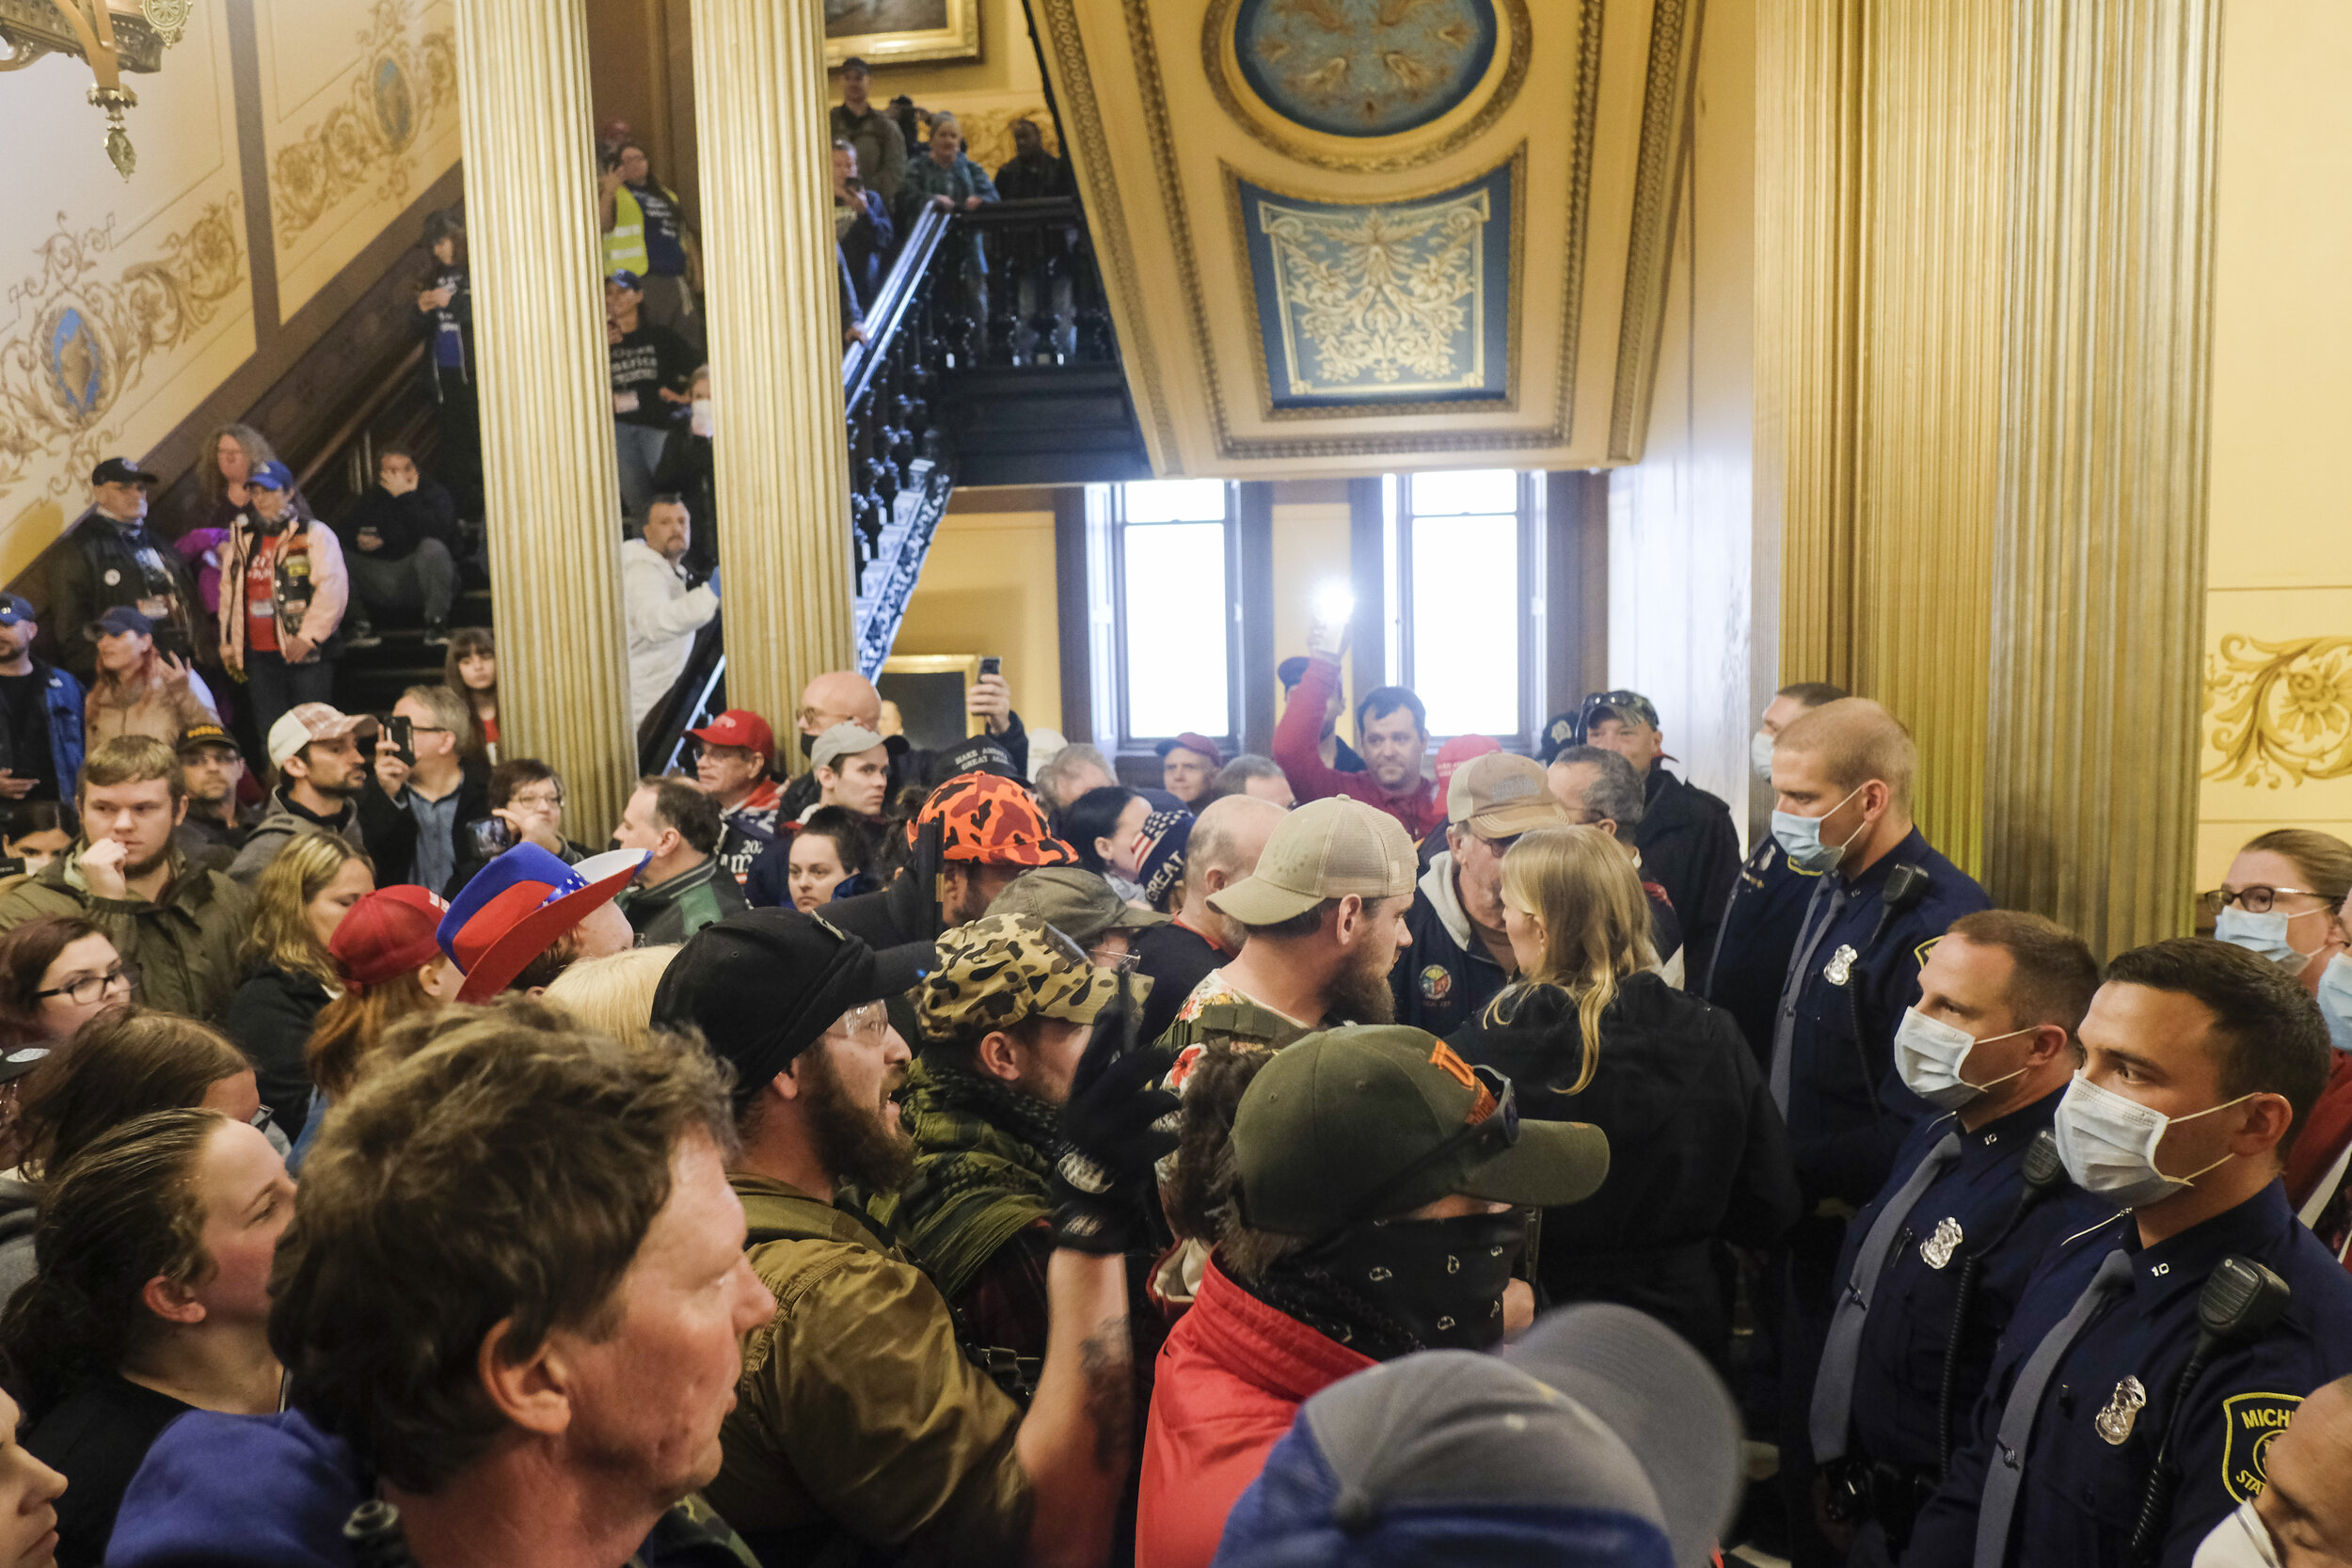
(1005, 969)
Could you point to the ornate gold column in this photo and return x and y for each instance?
(547, 407)
(782, 446)
(2099, 563)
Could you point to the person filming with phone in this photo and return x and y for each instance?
(418, 813)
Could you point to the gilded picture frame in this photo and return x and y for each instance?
(898, 32)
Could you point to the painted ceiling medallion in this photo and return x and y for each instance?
(1365, 83)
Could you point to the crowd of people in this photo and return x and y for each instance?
(1376, 1152)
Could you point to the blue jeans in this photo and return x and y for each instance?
(639, 448)
(276, 686)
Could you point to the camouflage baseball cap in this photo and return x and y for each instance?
(1005, 968)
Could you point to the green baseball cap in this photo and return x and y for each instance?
(1370, 1121)
(1073, 901)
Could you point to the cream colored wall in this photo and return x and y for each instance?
(986, 94)
(2279, 588)
(1680, 534)
(988, 587)
(156, 266)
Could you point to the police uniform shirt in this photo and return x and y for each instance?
(1754, 943)
(1898, 1369)
(2104, 1414)
(1847, 1108)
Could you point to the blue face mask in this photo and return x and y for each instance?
(2266, 935)
(1799, 838)
(2335, 1000)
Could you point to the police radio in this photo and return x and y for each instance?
(2044, 1173)
(2240, 1301)
(1905, 886)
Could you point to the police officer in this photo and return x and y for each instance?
(2200, 1062)
(1759, 928)
(1991, 1045)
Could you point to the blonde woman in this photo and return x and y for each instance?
(1698, 1156)
(613, 996)
(298, 902)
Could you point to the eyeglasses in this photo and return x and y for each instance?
(1114, 960)
(1485, 1135)
(2256, 899)
(118, 981)
(543, 800)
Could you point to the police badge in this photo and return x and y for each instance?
(1937, 1249)
(2115, 1421)
(1840, 964)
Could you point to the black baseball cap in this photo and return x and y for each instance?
(206, 734)
(122, 470)
(980, 755)
(117, 619)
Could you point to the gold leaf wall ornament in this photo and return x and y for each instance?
(1381, 294)
(81, 334)
(404, 82)
(2280, 711)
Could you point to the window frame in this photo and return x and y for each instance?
(1397, 530)
(1118, 709)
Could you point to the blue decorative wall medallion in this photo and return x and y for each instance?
(395, 105)
(1364, 68)
(76, 364)
(1402, 302)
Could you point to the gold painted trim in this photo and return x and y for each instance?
(2280, 712)
(967, 665)
(1450, 132)
(1508, 404)
(352, 144)
(1674, 62)
(960, 39)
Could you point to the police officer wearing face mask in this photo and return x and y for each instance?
(1990, 1044)
(2303, 1517)
(1759, 928)
(2199, 1064)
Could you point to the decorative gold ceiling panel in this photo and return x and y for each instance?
(1349, 236)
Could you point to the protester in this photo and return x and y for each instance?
(613, 996)
(138, 691)
(863, 1424)
(861, 226)
(2279, 900)
(1390, 724)
(400, 546)
(652, 370)
(180, 924)
(315, 750)
(1372, 1209)
(1334, 751)
(2319, 1164)
(942, 177)
(880, 149)
(419, 812)
(646, 234)
(527, 795)
(556, 1386)
(527, 916)
(288, 588)
(218, 823)
(836, 697)
(151, 1300)
(851, 766)
(1600, 789)
(2200, 1062)
(56, 973)
(1160, 857)
(1699, 1153)
(116, 558)
(1460, 954)
(444, 321)
(1083, 907)
(42, 727)
(473, 673)
(682, 888)
(1105, 826)
(389, 968)
(298, 902)
(1073, 772)
(1032, 173)
(28, 1493)
(1687, 844)
(1259, 776)
(1177, 954)
(1186, 765)
(662, 613)
(735, 756)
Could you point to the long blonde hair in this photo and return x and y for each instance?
(1577, 885)
(281, 933)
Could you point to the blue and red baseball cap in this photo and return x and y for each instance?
(518, 904)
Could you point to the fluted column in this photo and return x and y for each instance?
(2100, 540)
(780, 445)
(546, 409)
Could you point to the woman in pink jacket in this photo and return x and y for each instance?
(283, 590)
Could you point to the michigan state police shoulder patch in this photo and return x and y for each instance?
(2249, 1421)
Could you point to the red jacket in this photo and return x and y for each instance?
(1231, 1375)
(2326, 1130)
(1297, 748)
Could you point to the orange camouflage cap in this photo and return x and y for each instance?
(991, 820)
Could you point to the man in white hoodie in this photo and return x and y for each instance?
(663, 613)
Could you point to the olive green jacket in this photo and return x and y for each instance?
(185, 946)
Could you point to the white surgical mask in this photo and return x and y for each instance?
(1929, 1054)
(700, 418)
(2108, 1144)
(2264, 935)
(1800, 837)
(1761, 756)
(2335, 1000)
(2241, 1541)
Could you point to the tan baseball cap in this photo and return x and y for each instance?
(1326, 848)
(1501, 795)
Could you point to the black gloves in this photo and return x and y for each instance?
(1115, 1128)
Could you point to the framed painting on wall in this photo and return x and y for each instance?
(928, 689)
(890, 32)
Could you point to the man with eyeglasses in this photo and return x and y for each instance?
(1600, 789)
(1460, 958)
(418, 812)
(1374, 1208)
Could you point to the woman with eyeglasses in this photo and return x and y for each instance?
(298, 901)
(56, 973)
(2280, 899)
(1698, 1155)
(153, 1300)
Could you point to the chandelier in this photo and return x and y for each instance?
(114, 35)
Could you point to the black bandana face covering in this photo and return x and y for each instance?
(1397, 1286)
